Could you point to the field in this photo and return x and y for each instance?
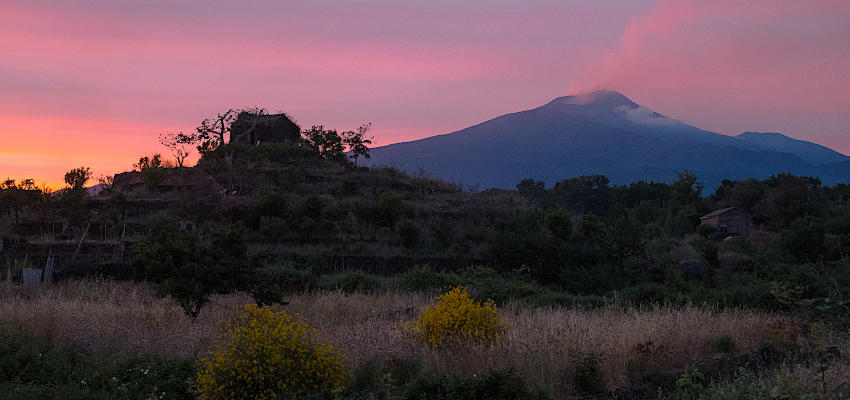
(565, 352)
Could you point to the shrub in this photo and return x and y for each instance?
(456, 316)
(408, 232)
(423, 278)
(587, 378)
(722, 344)
(273, 226)
(353, 281)
(559, 224)
(490, 385)
(268, 355)
(33, 368)
(389, 207)
(273, 283)
(705, 230)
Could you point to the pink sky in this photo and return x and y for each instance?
(93, 83)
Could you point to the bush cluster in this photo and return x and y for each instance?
(268, 354)
(33, 368)
(458, 317)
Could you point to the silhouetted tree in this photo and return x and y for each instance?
(151, 170)
(326, 141)
(356, 143)
(178, 144)
(190, 267)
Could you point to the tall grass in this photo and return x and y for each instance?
(564, 351)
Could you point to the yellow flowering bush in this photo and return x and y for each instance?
(458, 317)
(267, 354)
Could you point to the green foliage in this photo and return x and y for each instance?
(356, 142)
(180, 264)
(691, 384)
(531, 189)
(389, 207)
(805, 239)
(504, 385)
(151, 170)
(686, 190)
(273, 226)
(32, 368)
(722, 344)
(586, 375)
(272, 283)
(407, 230)
(76, 178)
(559, 223)
(383, 379)
(422, 279)
(706, 230)
(326, 141)
(353, 281)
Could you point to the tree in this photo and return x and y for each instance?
(531, 189)
(686, 190)
(151, 170)
(74, 197)
(326, 141)
(77, 178)
(356, 143)
(178, 144)
(210, 135)
(190, 267)
(14, 196)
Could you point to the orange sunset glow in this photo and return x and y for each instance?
(95, 83)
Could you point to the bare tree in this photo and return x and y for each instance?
(178, 144)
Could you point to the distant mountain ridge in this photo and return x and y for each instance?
(606, 133)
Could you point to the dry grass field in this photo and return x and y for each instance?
(552, 348)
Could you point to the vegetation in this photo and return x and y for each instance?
(608, 289)
(266, 355)
(457, 317)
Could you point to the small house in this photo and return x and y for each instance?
(251, 128)
(729, 220)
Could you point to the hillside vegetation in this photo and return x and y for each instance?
(580, 289)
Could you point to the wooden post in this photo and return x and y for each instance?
(48, 269)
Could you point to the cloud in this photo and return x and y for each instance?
(645, 116)
(726, 65)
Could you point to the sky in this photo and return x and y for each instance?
(93, 83)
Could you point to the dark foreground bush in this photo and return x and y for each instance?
(491, 385)
(32, 368)
(353, 281)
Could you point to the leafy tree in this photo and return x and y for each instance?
(805, 239)
(789, 197)
(408, 232)
(356, 143)
(77, 178)
(74, 196)
(584, 194)
(686, 190)
(190, 268)
(559, 223)
(14, 196)
(531, 189)
(326, 141)
(151, 170)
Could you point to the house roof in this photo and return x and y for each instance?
(717, 212)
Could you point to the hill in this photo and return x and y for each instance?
(603, 133)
